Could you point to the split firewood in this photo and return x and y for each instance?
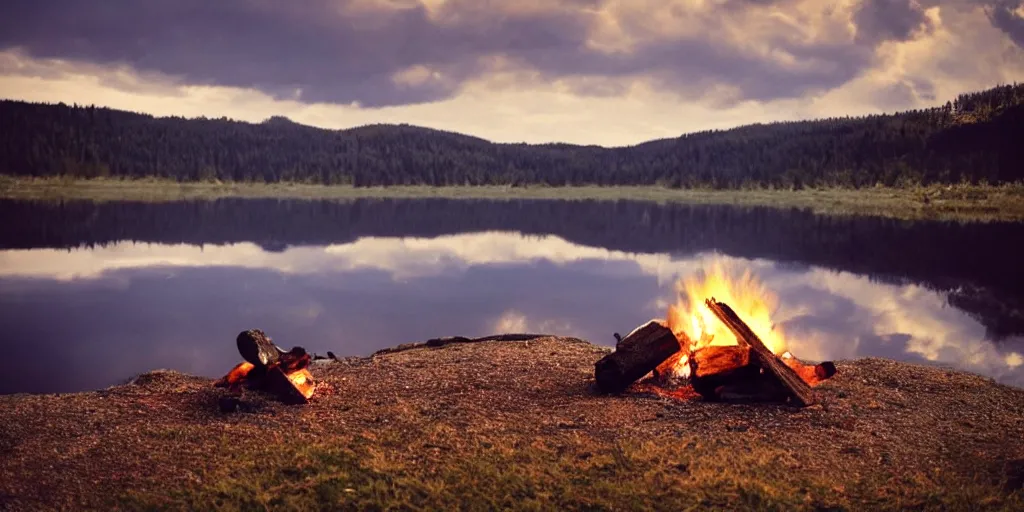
(717, 359)
(798, 389)
(636, 355)
(667, 373)
(716, 366)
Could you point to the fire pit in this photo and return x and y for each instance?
(270, 369)
(704, 348)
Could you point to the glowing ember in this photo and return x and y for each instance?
(692, 321)
(236, 376)
(303, 382)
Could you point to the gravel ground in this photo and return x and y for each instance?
(508, 424)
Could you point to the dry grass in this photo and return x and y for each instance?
(955, 202)
(516, 425)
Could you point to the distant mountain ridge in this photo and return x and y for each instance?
(973, 138)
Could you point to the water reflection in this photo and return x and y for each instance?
(102, 314)
(974, 263)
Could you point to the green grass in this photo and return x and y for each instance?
(562, 473)
(947, 202)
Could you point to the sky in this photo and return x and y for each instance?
(607, 72)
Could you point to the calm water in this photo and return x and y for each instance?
(91, 294)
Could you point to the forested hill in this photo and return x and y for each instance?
(977, 137)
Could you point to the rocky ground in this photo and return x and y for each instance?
(482, 426)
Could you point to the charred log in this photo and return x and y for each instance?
(797, 388)
(294, 360)
(291, 388)
(256, 348)
(760, 389)
(636, 355)
(825, 370)
(270, 369)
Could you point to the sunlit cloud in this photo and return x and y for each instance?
(609, 72)
(401, 258)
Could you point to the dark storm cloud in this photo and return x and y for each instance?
(1004, 17)
(881, 20)
(341, 51)
(330, 50)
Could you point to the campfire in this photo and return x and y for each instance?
(707, 348)
(270, 369)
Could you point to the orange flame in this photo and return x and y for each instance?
(303, 382)
(741, 291)
(236, 376)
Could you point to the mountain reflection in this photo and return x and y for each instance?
(104, 291)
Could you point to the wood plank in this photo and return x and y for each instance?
(718, 359)
(801, 393)
(636, 355)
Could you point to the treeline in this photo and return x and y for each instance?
(975, 138)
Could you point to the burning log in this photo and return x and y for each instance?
(795, 386)
(713, 367)
(268, 368)
(810, 374)
(668, 371)
(716, 360)
(236, 377)
(636, 355)
(291, 388)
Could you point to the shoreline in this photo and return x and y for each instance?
(963, 203)
(511, 424)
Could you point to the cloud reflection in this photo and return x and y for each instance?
(108, 312)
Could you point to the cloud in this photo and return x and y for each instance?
(377, 53)
(510, 71)
(882, 20)
(318, 51)
(1008, 16)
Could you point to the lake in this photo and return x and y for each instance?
(93, 293)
